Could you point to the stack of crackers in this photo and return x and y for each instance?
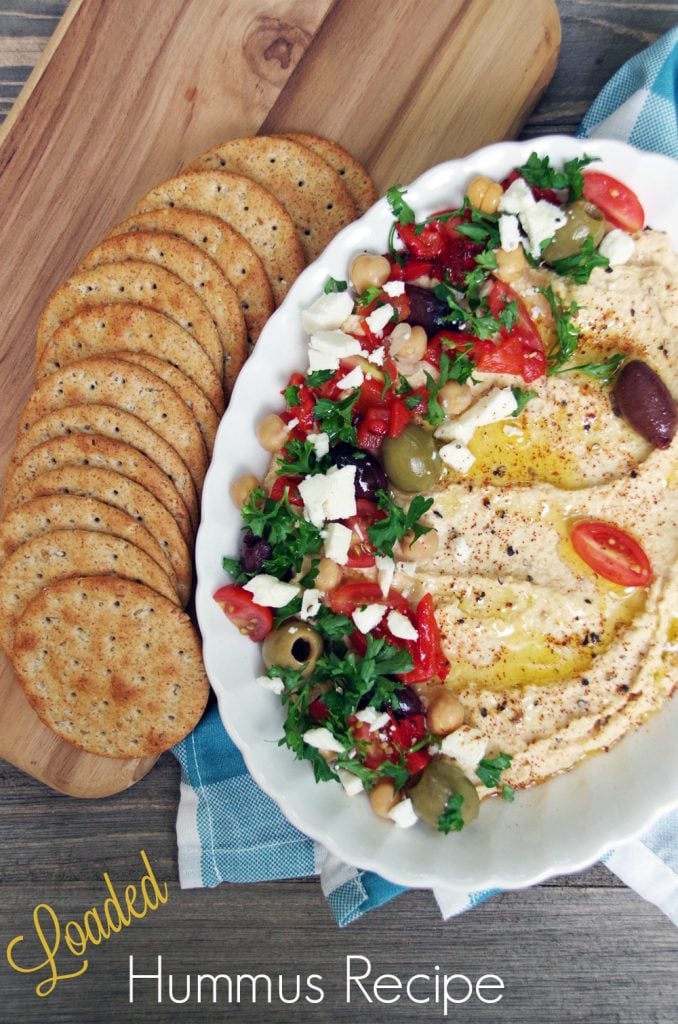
(137, 353)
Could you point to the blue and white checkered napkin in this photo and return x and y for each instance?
(228, 830)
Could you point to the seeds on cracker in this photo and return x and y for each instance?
(120, 492)
(198, 271)
(110, 666)
(228, 249)
(138, 283)
(354, 176)
(310, 190)
(132, 388)
(65, 553)
(103, 330)
(249, 208)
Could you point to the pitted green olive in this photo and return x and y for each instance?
(584, 220)
(439, 781)
(411, 460)
(294, 645)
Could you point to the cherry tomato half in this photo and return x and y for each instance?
(618, 203)
(611, 553)
(238, 605)
(349, 596)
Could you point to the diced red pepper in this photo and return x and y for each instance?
(318, 710)
(539, 193)
(400, 416)
(292, 485)
(428, 244)
(426, 651)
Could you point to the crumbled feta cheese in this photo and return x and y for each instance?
(327, 348)
(377, 357)
(320, 442)
(540, 222)
(322, 739)
(375, 719)
(329, 495)
(270, 592)
(310, 604)
(618, 247)
(327, 312)
(337, 542)
(378, 318)
(509, 232)
(467, 746)
(401, 626)
(352, 380)
(294, 422)
(275, 685)
(517, 198)
(457, 455)
(403, 814)
(462, 550)
(496, 405)
(385, 572)
(366, 619)
(351, 783)
(394, 288)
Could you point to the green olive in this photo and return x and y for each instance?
(584, 220)
(411, 460)
(295, 645)
(440, 780)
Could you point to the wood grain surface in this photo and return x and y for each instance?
(576, 950)
(116, 74)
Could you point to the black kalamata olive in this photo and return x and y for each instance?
(426, 310)
(408, 703)
(369, 473)
(255, 551)
(646, 403)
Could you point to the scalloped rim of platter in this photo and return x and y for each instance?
(558, 827)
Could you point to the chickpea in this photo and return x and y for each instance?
(369, 271)
(445, 713)
(485, 194)
(383, 798)
(454, 397)
(272, 432)
(241, 489)
(420, 550)
(329, 575)
(511, 265)
(408, 344)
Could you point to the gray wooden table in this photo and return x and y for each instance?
(577, 949)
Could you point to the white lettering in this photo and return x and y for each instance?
(215, 979)
(483, 983)
(387, 981)
(170, 987)
(253, 979)
(408, 989)
(357, 978)
(133, 977)
(449, 998)
(315, 988)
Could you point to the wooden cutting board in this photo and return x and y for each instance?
(128, 91)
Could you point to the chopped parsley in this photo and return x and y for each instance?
(460, 368)
(300, 459)
(332, 285)
(292, 395)
(539, 172)
(480, 322)
(604, 372)
(489, 770)
(317, 378)
(451, 820)
(368, 296)
(522, 397)
(567, 332)
(384, 533)
(336, 418)
(401, 210)
(291, 537)
(580, 266)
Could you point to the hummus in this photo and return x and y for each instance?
(550, 660)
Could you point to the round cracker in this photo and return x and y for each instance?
(310, 190)
(228, 249)
(66, 553)
(119, 492)
(200, 407)
(107, 421)
(110, 666)
(360, 186)
(199, 272)
(102, 330)
(134, 389)
(73, 512)
(249, 208)
(134, 282)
